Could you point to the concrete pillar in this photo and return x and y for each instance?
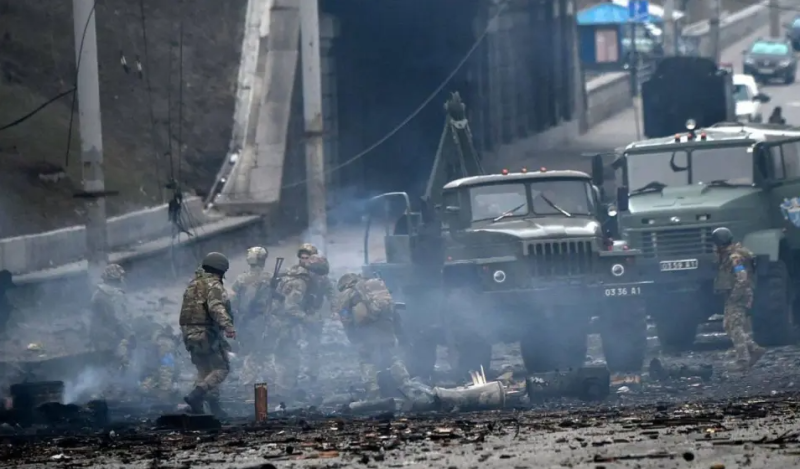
(329, 30)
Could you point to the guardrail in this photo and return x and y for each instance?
(610, 94)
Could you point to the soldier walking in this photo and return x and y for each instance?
(367, 314)
(735, 280)
(206, 322)
(250, 305)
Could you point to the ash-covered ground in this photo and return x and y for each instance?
(732, 419)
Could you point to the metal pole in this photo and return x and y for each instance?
(715, 10)
(634, 61)
(91, 134)
(669, 28)
(312, 113)
(774, 18)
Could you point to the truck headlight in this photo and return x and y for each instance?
(499, 276)
(618, 270)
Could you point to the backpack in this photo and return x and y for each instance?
(374, 293)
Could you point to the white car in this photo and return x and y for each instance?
(748, 98)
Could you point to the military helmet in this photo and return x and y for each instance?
(257, 256)
(113, 273)
(216, 261)
(318, 265)
(307, 248)
(722, 237)
(346, 281)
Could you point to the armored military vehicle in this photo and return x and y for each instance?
(514, 256)
(673, 192)
(705, 95)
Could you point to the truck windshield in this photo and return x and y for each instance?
(495, 200)
(731, 164)
(554, 197)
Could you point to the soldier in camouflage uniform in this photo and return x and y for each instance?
(320, 289)
(161, 366)
(288, 322)
(250, 304)
(368, 316)
(735, 280)
(108, 325)
(206, 322)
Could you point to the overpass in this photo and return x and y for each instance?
(259, 179)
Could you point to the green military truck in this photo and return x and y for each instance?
(508, 257)
(673, 192)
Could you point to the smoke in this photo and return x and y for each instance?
(89, 382)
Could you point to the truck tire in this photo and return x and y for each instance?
(420, 356)
(553, 345)
(624, 337)
(772, 308)
(676, 332)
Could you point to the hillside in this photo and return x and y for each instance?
(37, 61)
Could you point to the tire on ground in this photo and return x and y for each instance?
(676, 327)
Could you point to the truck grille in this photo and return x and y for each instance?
(677, 242)
(563, 258)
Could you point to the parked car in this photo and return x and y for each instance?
(769, 59)
(748, 98)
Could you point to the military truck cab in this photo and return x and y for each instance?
(674, 191)
(526, 259)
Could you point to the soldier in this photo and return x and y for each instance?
(320, 288)
(108, 326)
(250, 304)
(205, 317)
(161, 363)
(6, 284)
(287, 323)
(735, 280)
(367, 314)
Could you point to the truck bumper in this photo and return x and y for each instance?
(571, 295)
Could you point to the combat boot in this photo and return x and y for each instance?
(756, 354)
(195, 400)
(216, 408)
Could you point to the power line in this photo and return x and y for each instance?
(27, 116)
(501, 8)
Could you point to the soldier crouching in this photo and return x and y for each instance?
(204, 318)
(161, 371)
(367, 314)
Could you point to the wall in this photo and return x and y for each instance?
(606, 95)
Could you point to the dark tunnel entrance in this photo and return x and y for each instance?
(390, 56)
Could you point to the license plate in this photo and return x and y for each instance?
(685, 264)
(623, 291)
(765, 71)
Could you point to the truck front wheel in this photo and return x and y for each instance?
(555, 344)
(772, 308)
(676, 327)
(623, 332)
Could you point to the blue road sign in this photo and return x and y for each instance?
(638, 9)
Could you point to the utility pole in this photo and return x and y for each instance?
(715, 10)
(774, 18)
(312, 114)
(669, 28)
(88, 89)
